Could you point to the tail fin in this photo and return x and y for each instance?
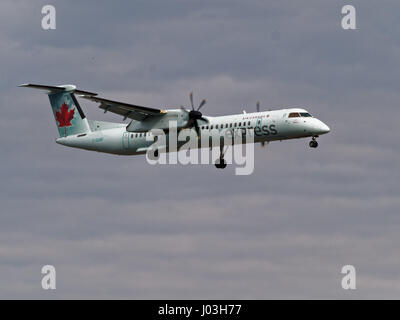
(68, 114)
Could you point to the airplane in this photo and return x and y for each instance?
(77, 131)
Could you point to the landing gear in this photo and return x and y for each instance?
(313, 143)
(221, 163)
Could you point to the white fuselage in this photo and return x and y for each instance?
(264, 126)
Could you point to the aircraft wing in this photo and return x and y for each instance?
(124, 109)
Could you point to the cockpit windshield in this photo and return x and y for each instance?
(299, 114)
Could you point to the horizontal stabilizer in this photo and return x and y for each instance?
(55, 89)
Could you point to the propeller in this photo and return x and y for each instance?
(195, 114)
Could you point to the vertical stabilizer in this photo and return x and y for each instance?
(67, 112)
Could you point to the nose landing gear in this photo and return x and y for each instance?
(221, 163)
(313, 143)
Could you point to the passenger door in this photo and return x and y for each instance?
(125, 140)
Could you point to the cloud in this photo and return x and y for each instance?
(115, 227)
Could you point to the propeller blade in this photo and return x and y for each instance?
(191, 100)
(258, 106)
(201, 104)
(190, 123)
(184, 110)
(196, 127)
(194, 115)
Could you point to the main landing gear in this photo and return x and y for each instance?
(313, 143)
(221, 163)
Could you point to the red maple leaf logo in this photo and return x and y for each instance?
(64, 117)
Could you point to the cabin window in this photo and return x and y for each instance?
(211, 127)
(216, 126)
(240, 124)
(202, 128)
(294, 115)
(235, 125)
(206, 127)
(131, 135)
(248, 123)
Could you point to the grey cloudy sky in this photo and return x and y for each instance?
(116, 227)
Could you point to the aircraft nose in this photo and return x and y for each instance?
(323, 128)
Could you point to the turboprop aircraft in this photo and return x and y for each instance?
(136, 137)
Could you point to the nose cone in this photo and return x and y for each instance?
(324, 128)
(318, 127)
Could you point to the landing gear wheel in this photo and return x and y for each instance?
(313, 144)
(220, 164)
